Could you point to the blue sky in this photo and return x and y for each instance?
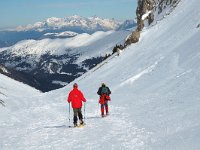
(22, 12)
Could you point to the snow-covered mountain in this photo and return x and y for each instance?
(154, 104)
(56, 62)
(60, 27)
(61, 35)
(127, 24)
(83, 23)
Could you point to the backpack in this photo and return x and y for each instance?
(104, 90)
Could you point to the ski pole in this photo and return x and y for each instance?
(98, 109)
(69, 114)
(84, 111)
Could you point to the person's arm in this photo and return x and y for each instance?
(109, 92)
(99, 91)
(69, 98)
(82, 97)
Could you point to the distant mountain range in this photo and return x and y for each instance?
(48, 64)
(90, 24)
(58, 27)
(50, 54)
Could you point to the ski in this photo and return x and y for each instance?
(78, 126)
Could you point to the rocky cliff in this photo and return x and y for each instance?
(148, 12)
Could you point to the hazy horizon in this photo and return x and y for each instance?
(15, 13)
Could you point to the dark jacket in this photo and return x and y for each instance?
(100, 91)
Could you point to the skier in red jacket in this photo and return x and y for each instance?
(104, 93)
(76, 97)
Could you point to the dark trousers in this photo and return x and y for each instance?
(105, 105)
(77, 112)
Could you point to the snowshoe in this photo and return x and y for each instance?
(81, 122)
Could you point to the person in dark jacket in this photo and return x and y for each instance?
(104, 93)
(76, 97)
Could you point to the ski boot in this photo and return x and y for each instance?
(81, 122)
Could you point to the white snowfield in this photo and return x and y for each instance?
(155, 102)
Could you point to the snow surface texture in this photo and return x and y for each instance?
(155, 97)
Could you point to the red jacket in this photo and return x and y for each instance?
(76, 97)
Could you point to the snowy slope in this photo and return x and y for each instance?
(16, 97)
(155, 97)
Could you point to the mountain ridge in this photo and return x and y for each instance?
(58, 26)
(85, 23)
(54, 61)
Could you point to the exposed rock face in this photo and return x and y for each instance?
(143, 7)
(153, 9)
(134, 37)
(148, 12)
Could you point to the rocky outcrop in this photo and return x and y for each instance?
(133, 38)
(144, 6)
(148, 12)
